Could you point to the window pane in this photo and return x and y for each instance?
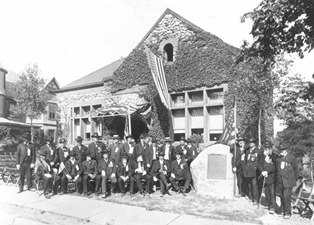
(178, 113)
(196, 112)
(215, 110)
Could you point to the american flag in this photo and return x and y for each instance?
(157, 69)
(229, 134)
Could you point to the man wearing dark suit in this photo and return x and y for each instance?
(96, 147)
(140, 172)
(288, 173)
(141, 146)
(184, 149)
(116, 150)
(25, 161)
(43, 172)
(72, 171)
(192, 151)
(89, 172)
(124, 173)
(152, 152)
(249, 170)
(80, 149)
(106, 171)
(180, 171)
(168, 150)
(129, 147)
(161, 170)
(50, 150)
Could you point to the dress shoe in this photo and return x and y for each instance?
(31, 189)
(19, 191)
(61, 193)
(288, 216)
(162, 194)
(84, 194)
(122, 194)
(272, 211)
(131, 194)
(96, 194)
(104, 195)
(47, 196)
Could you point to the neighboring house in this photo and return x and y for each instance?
(198, 67)
(49, 121)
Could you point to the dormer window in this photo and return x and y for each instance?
(168, 49)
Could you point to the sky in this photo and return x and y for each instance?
(69, 39)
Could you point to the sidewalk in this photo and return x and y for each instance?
(91, 211)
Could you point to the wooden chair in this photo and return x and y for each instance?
(307, 198)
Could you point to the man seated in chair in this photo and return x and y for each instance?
(71, 172)
(43, 172)
(161, 170)
(89, 172)
(106, 171)
(124, 173)
(141, 171)
(180, 171)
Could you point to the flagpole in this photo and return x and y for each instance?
(235, 146)
(129, 120)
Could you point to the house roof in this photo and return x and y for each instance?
(95, 78)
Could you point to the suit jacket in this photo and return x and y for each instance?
(288, 171)
(124, 170)
(116, 151)
(81, 152)
(185, 151)
(134, 165)
(42, 168)
(73, 169)
(90, 167)
(179, 169)
(95, 149)
(25, 153)
(62, 155)
(150, 155)
(140, 148)
(109, 167)
(270, 167)
(128, 150)
(192, 152)
(157, 168)
(50, 152)
(251, 162)
(171, 153)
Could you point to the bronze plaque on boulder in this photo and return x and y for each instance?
(216, 166)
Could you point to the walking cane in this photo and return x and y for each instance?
(263, 190)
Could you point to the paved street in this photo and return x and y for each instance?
(66, 208)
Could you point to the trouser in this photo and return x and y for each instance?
(25, 170)
(121, 184)
(186, 176)
(103, 180)
(138, 179)
(57, 181)
(240, 183)
(163, 182)
(64, 183)
(270, 195)
(47, 184)
(252, 188)
(86, 178)
(285, 196)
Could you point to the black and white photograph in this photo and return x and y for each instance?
(156, 112)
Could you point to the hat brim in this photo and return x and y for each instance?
(129, 136)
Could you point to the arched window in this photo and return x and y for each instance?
(168, 49)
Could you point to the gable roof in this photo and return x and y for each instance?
(168, 11)
(95, 78)
(52, 84)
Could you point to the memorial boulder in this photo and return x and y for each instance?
(212, 172)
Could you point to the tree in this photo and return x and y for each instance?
(30, 100)
(280, 26)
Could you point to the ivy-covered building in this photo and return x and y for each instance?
(200, 72)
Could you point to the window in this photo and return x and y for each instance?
(51, 133)
(196, 97)
(214, 136)
(178, 113)
(196, 112)
(52, 112)
(178, 136)
(178, 99)
(216, 95)
(197, 131)
(215, 110)
(168, 49)
(76, 111)
(85, 110)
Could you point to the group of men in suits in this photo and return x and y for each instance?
(118, 164)
(260, 169)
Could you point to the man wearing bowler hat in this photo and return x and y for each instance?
(129, 147)
(250, 166)
(180, 171)
(72, 172)
(192, 151)
(43, 172)
(237, 166)
(107, 170)
(115, 149)
(96, 147)
(89, 173)
(183, 148)
(50, 150)
(25, 161)
(124, 173)
(168, 150)
(287, 175)
(80, 149)
(152, 152)
(161, 171)
(141, 146)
